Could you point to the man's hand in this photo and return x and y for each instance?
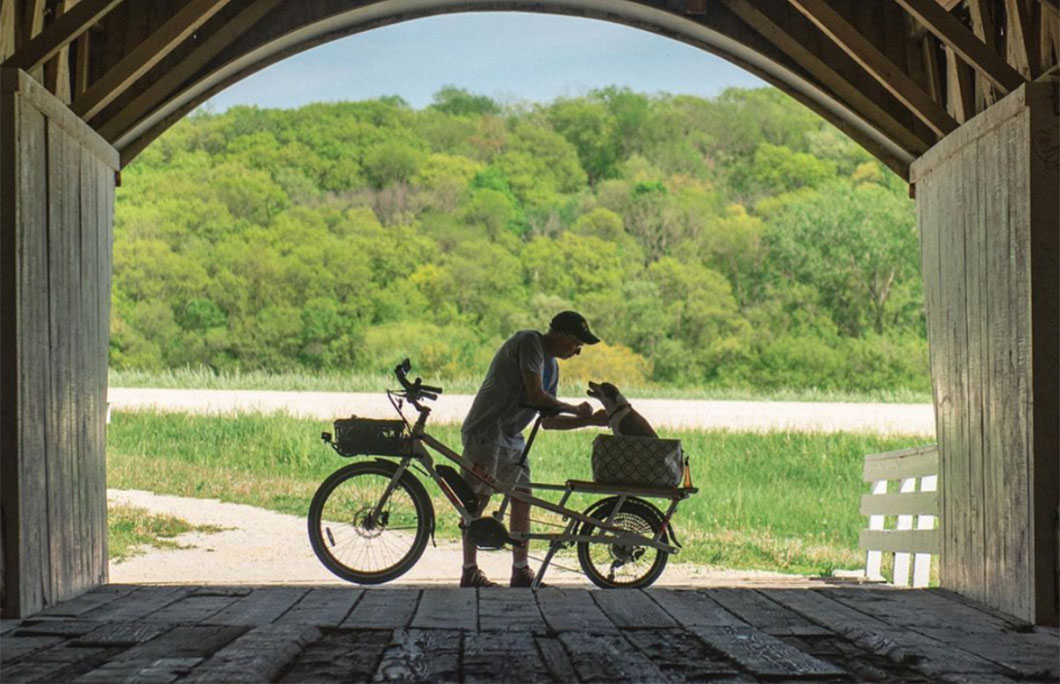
(584, 410)
(600, 418)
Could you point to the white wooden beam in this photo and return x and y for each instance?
(185, 69)
(59, 33)
(8, 29)
(878, 65)
(956, 35)
(57, 69)
(1049, 42)
(1021, 42)
(960, 96)
(786, 43)
(32, 20)
(982, 15)
(138, 62)
(931, 68)
(81, 59)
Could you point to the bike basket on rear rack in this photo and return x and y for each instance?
(356, 436)
(637, 461)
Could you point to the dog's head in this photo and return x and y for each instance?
(606, 393)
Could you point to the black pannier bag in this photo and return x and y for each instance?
(367, 436)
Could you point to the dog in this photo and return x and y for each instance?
(621, 416)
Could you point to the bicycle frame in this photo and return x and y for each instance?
(610, 532)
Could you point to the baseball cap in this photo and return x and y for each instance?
(573, 323)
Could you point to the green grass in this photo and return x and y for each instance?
(780, 501)
(131, 530)
(202, 378)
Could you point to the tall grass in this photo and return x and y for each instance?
(778, 501)
(204, 378)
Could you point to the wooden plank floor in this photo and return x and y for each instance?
(850, 633)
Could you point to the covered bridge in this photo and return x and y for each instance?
(957, 96)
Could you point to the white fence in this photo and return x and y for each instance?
(910, 504)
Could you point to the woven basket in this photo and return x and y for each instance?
(637, 461)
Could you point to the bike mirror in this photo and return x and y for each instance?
(405, 366)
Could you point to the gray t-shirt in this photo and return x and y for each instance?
(495, 414)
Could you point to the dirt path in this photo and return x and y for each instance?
(764, 416)
(263, 547)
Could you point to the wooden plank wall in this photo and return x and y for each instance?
(989, 223)
(57, 191)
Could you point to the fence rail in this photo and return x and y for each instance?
(914, 507)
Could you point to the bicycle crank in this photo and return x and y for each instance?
(489, 534)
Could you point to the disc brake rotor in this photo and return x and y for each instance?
(365, 526)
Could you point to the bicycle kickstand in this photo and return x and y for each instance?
(553, 547)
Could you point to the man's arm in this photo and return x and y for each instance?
(537, 396)
(598, 419)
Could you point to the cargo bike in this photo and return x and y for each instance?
(369, 521)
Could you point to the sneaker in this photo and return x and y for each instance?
(524, 577)
(473, 577)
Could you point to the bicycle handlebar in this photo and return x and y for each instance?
(415, 390)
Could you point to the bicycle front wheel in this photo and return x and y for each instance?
(358, 544)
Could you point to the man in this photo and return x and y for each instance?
(523, 371)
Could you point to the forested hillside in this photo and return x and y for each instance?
(737, 241)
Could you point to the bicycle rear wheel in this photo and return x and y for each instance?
(628, 565)
(356, 545)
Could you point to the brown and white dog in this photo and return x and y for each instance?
(621, 416)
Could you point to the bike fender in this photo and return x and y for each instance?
(673, 537)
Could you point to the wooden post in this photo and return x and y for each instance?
(987, 203)
(57, 181)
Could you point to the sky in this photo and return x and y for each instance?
(508, 56)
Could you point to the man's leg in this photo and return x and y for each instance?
(483, 453)
(520, 522)
(470, 550)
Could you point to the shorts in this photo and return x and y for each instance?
(499, 461)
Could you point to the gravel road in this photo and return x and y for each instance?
(763, 416)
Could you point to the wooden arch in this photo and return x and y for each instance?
(958, 96)
(896, 75)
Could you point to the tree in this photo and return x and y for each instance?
(391, 162)
(459, 102)
(778, 169)
(853, 244)
(590, 128)
(651, 218)
(732, 244)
